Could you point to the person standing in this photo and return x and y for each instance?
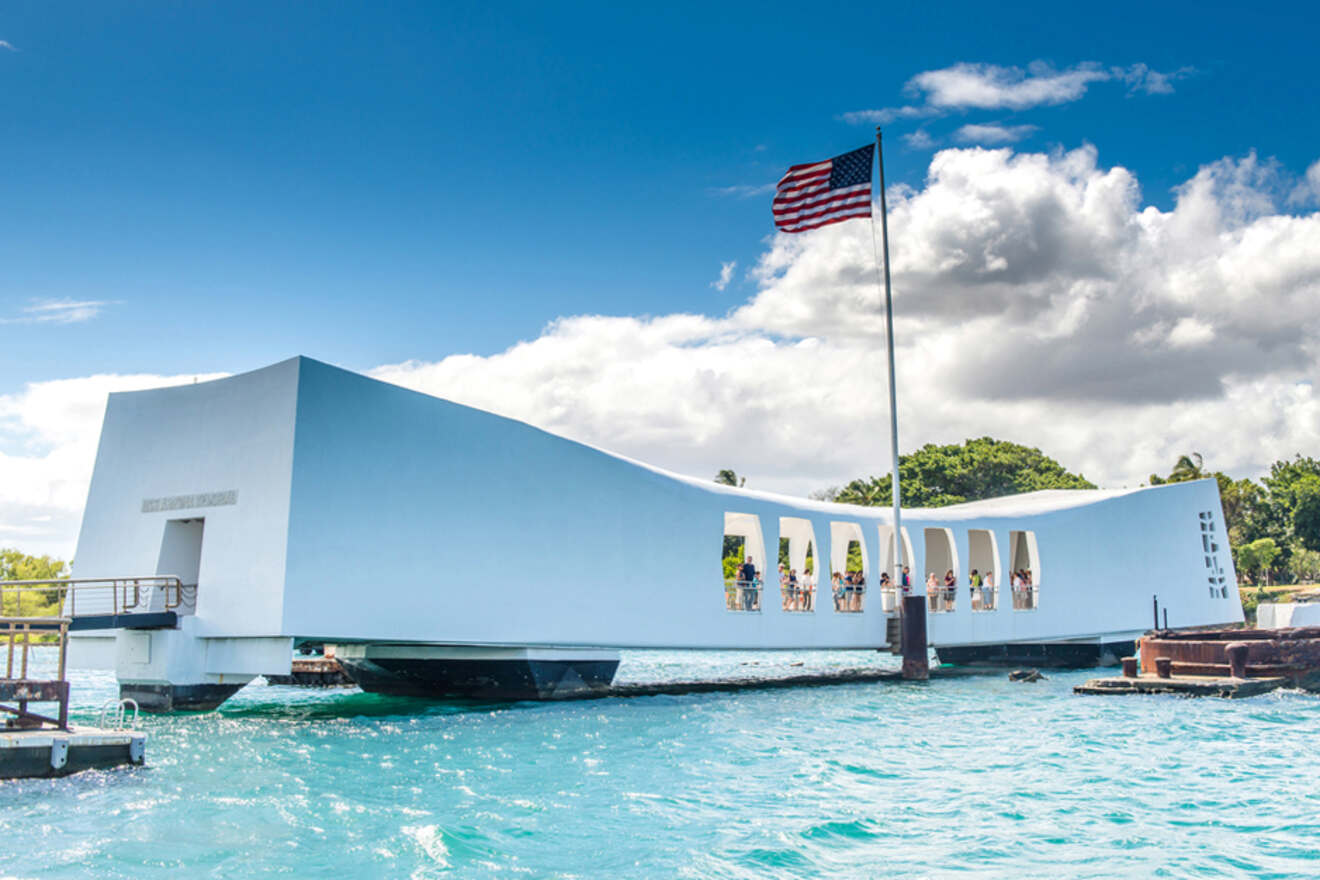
(747, 583)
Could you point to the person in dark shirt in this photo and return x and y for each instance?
(747, 581)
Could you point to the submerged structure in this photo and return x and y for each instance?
(445, 550)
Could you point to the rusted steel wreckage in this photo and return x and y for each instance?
(1218, 662)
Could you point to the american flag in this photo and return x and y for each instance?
(820, 193)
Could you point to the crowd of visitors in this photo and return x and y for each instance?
(745, 593)
(798, 594)
(942, 593)
(983, 590)
(849, 589)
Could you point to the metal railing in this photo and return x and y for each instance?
(85, 596)
(1025, 598)
(743, 595)
(798, 595)
(942, 599)
(848, 598)
(116, 712)
(17, 633)
(984, 598)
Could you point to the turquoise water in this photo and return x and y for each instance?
(976, 777)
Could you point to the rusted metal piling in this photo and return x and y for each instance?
(314, 672)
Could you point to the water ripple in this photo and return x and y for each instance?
(968, 776)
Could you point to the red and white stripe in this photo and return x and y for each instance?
(804, 200)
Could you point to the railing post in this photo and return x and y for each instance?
(64, 647)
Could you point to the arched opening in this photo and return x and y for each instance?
(848, 567)
(742, 561)
(798, 560)
(983, 564)
(891, 583)
(941, 569)
(1024, 563)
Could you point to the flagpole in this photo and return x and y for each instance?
(916, 664)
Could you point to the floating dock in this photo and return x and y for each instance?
(26, 754)
(35, 745)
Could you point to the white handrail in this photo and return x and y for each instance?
(119, 708)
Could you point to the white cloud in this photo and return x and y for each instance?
(60, 311)
(1191, 332)
(5, 44)
(1307, 190)
(888, 114)
(993, 133)
(1037, 300)
(972, 86)
(1140, 78)
(991, 87)
(48, 436)
(726, 275)
(743, 190)
(919, 140)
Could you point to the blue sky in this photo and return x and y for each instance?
(1104, 225)
(370, 183)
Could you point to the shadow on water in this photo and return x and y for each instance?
(318, 704)
(359, 704)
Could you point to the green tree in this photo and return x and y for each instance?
(1306, 511)
(1257, 556)
(936, 476)
(854, 562)
(729, 477)
(18, 566)
(733, 556)
(1285, 476)
(1304, 565)
(1187, 467)
(1288, 485)
(1246, 506)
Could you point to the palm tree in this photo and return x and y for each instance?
(729, 477)
(1188, 467)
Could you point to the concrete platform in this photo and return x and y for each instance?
(1185, 685)
(26, 754)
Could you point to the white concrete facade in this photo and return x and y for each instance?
(334, 507)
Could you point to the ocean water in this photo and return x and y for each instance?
(973, 777)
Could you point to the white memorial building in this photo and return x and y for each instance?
(445, 550)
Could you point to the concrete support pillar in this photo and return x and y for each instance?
(175, 670)
(916, 653)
